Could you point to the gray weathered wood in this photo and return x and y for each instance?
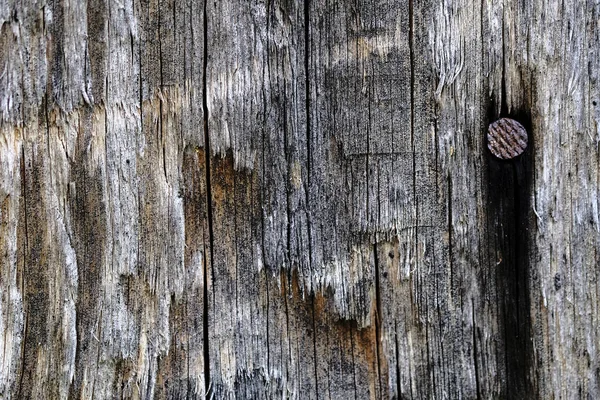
(285, 199)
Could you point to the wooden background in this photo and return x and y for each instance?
(294, 199)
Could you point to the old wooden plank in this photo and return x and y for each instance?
(364, 242)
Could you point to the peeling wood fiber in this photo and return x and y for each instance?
(286, 199)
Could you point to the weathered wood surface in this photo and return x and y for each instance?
(295, 200)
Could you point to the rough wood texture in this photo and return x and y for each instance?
(285, 199)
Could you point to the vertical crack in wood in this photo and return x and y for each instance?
(378, 349)
(397, 355)
(161, 141)
(368, 169)
(450, 238)
(207, 155)
(418, 299)
(352, 348)
(411, 45)
(307, 88)
(307, 101)
(23, 275)
(475, 350)
(503, 101)
(509, 185)
(308, 130)
(284, 282)
(518, 240)
(268, 367)
(315, 346)
(523, 353)
(269, 10)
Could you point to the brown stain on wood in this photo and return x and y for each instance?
(234, 194)
(358, 346)
(223, 180)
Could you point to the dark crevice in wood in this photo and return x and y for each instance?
(160, 135)
(368, 169)
(503, 102)
(475, 350)
(522, 207)
(482, 38)
(307, 84)
(268, 307)
(509, 188)
(450, 244)
(353, 348)
(443, 359)
(430, 361)
(162, 141)
(160, 49)
(397, 355)
(308, 129)
(411, 45)
(209, 209)
(106, 153)
(266, 270)
(284, 284)
(378, 314)
(328, 370)
(307, 101)
(315, 347)
(23, 281)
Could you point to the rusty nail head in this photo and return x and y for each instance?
(506, 138)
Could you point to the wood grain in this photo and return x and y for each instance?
(285, 199)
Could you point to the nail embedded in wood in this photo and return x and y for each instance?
(506, 138)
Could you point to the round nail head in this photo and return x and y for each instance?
(506, 138)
